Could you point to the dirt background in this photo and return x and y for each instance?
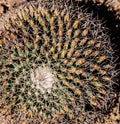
(9, 6)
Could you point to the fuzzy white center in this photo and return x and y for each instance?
(42, 79)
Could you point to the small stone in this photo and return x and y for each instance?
(24, 122)
(1, 9)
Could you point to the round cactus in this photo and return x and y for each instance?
(55, 63)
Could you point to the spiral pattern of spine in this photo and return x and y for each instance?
(56, 63)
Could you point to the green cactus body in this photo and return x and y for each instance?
(55, 61)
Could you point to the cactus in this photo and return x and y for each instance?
(55, 62)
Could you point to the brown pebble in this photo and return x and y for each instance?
(1, 9)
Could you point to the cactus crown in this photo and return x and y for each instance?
(55, 60)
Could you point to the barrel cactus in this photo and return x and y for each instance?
(56, 63)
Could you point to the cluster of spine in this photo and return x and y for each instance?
(68, 42)
(112, 5)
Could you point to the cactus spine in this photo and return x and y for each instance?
(55, 60)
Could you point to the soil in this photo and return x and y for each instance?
(8, 6)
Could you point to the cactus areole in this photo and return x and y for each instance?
(56, 62)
